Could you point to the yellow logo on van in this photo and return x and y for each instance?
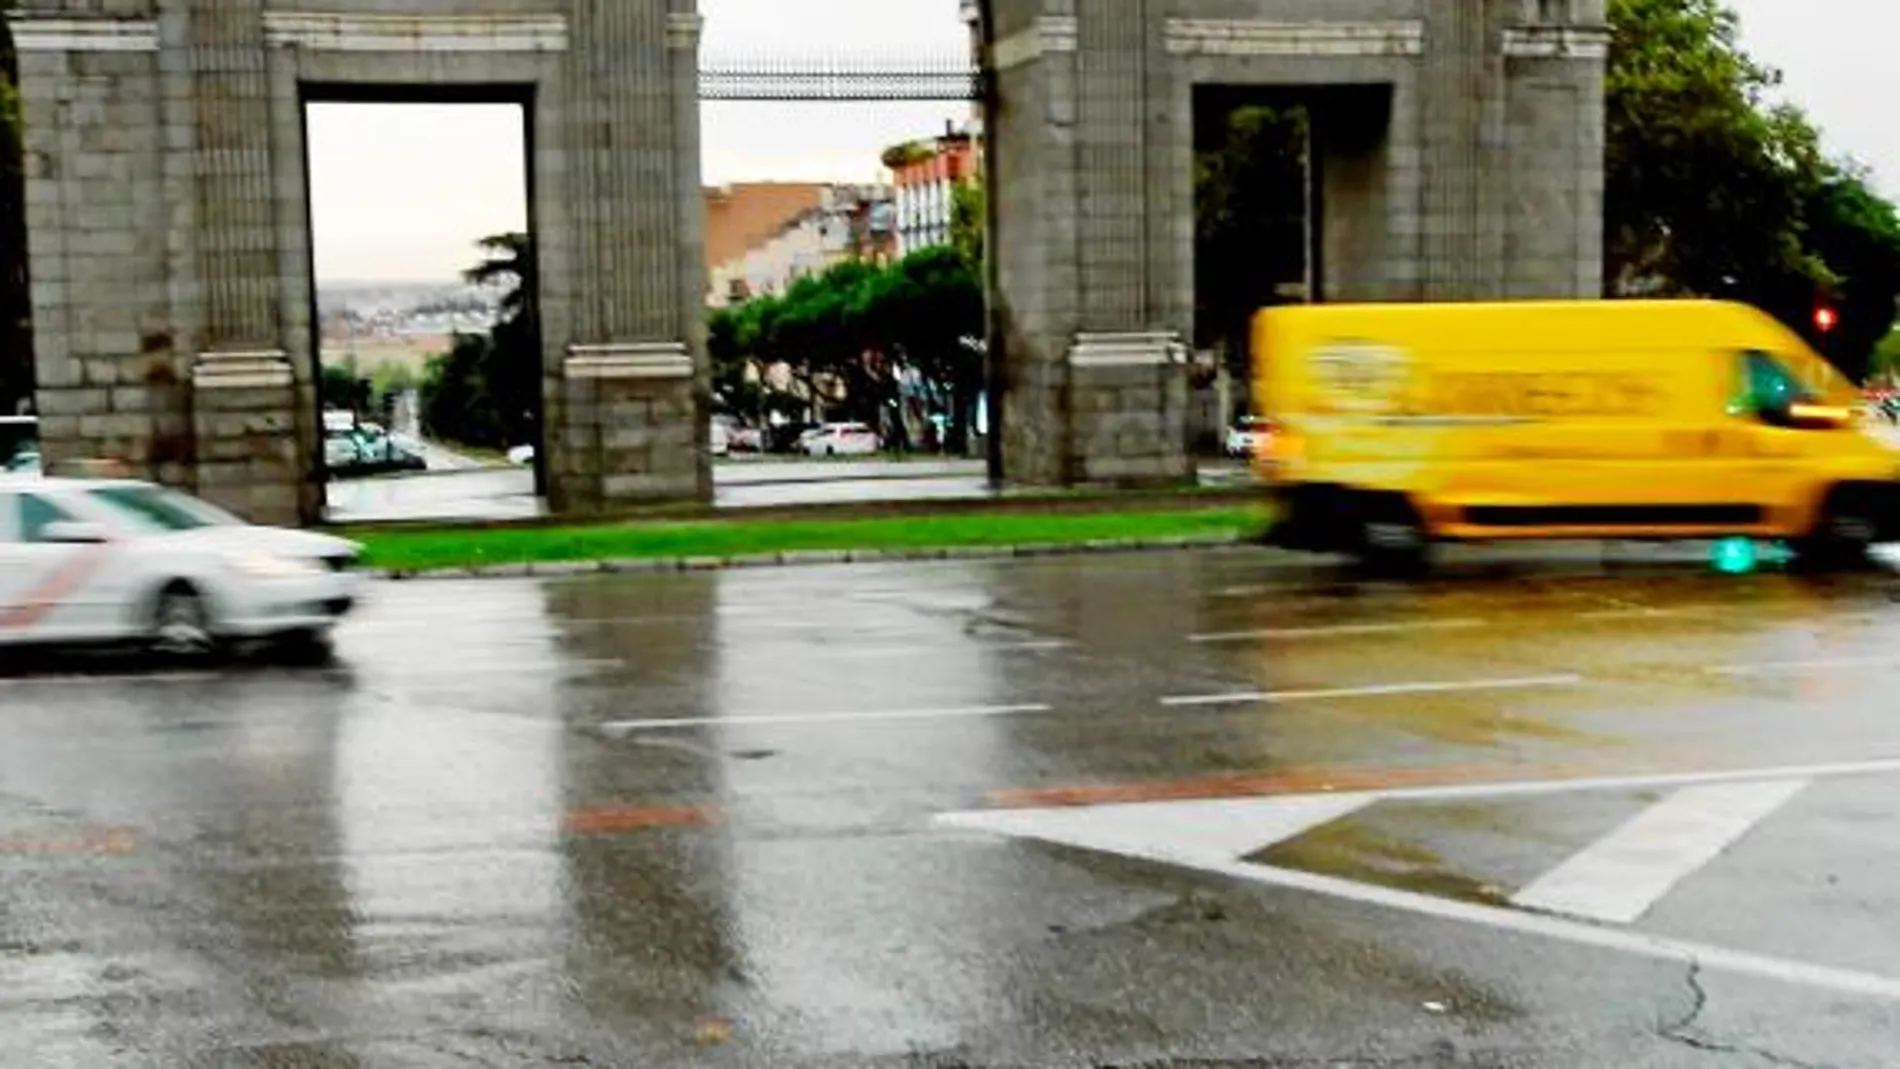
(1361, 377)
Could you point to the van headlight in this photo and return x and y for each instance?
(263, 566)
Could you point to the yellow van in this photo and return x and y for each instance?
(1404, 424)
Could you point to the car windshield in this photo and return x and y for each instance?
(156, 510)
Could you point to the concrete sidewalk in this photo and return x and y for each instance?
(500, 494)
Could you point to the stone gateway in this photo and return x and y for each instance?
(1459, 144)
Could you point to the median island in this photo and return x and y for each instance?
(741, 541)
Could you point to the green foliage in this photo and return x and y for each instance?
(857, 324)
(1713, 190)
(1885, 360)
(486, 390)
(1250, 226)
(338, 387)
(968, 208)
(905, 154)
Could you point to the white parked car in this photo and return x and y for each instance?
(112, 561)
(1248, 436)
(839, 440)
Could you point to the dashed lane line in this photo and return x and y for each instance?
(1380, 690)
(1338, 630)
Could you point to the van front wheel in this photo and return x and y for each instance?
(1389, 537)
(1844, 532)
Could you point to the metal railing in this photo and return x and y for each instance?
(840, 79)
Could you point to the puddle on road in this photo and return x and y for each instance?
(1355, 852)
(1475, 723)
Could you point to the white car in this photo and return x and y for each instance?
(1248, 436)
(121, 561)
(839, 440)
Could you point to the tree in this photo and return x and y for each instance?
(968, 207)
(1711, 189)
(863, 327)
(339, 388)
(509, 366)
(1250, 221)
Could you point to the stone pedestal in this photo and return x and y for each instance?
(1129, 409)
(629, 429)
(249, 457)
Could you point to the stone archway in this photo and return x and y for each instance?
(169, 232)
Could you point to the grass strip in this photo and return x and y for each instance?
(411, 550)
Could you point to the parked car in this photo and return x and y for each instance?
(839, 440)
(787, 437)
(745, 440)
(123, 561)
(1247, 435)
(521, 455)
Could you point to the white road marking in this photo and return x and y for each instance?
(973, 712)
(1621, 876)
(1178, 834)
(1817, 664)
(1580, 933)
(1638, 612)
(554, 664)
(1381, 690)
(1185, 832)
(874, 653)
(1339, 630)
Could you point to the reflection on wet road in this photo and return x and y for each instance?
(1206, 809)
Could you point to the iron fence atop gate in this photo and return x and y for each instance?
(840, 79)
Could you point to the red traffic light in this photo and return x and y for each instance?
(1826, 319)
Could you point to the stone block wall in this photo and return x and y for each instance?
(168, 215)
(110, 383)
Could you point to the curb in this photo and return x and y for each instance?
(798, 558)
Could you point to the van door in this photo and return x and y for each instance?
(1774, 465)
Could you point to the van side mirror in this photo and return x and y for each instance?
(1806, 416)
(1812, 417)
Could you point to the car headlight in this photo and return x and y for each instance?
(259, 566)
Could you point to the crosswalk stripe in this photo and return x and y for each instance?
(1621, 876)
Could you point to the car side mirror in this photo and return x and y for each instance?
(74, 532)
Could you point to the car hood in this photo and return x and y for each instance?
(272, 541)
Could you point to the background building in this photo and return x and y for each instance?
(843, 223)
(925, 178)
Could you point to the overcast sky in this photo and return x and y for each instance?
(401, 192)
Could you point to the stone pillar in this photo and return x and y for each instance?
(1552, 205)
(630, 425)
(1095, 292)
(253, 453)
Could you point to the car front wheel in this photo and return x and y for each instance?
(181, 623)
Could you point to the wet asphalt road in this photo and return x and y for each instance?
(700, 819)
